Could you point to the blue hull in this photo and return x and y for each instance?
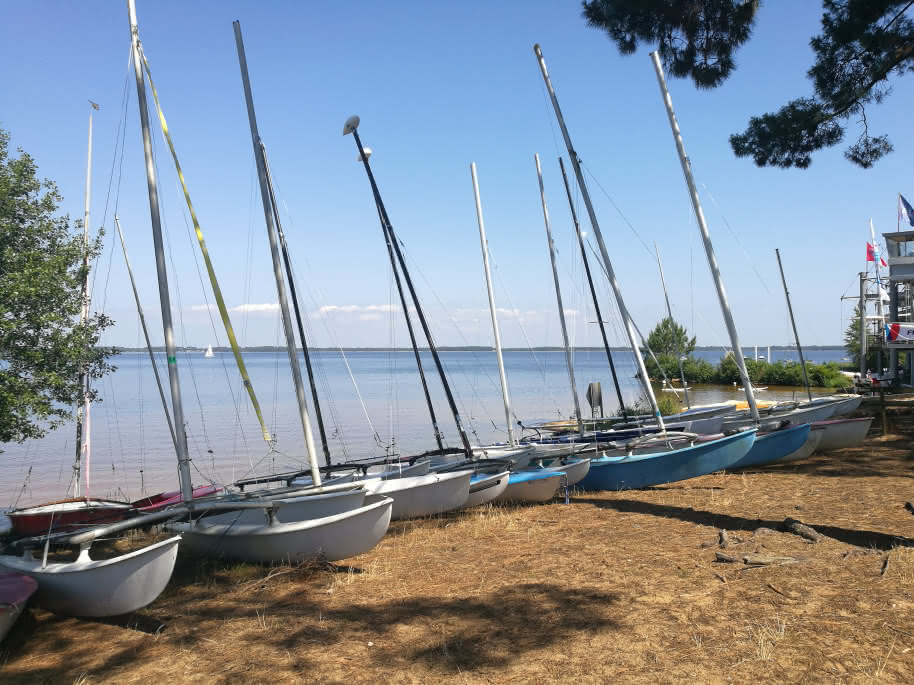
(773, 446)
(641, 471)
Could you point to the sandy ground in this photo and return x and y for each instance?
(614, 587)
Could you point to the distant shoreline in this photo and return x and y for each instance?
(446, 348)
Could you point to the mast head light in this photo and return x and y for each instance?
(365, 151)
(352, 123)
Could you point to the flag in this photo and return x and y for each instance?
(871, 255)
(905, 210)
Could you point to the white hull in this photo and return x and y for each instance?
(486, 489)
(810, 446)
(574, 471)
(108, 587)
(420, 468)
(335, 537)
(796, 417)
(840, 434)
(848, 406)
(516, 453)
(539, 490)
(293, 509)
(418, 496)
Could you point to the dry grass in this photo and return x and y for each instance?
(620, 586)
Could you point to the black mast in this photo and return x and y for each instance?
(391, 239)
(301, 329)
(593, 292)
(409, 327)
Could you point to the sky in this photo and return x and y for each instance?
(438, 86)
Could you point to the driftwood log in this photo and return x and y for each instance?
(802, 530)
(767, 560)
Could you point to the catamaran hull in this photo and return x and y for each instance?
(575, 471)
(796, 417)
(807, 449)
(15, 590)
(418, 496)
(336, 537)
(67, 514)
(641, 471)
(538, 486)
(842, 433)
(293, 509)
(774, 446)
(107, 587)
(486, 489)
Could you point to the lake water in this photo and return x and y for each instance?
(132, 453)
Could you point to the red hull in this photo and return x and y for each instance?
(165, 499)
(67, 514)
(27, 522)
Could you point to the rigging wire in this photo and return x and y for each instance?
(746, 254)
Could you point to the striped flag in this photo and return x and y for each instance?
(905, 210)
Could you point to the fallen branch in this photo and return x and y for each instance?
(725, 558)
(802, 530)
(767, 560)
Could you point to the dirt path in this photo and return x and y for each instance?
(622, 586)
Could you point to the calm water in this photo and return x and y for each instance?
(132, 452)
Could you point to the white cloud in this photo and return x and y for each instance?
(256, 308)
(372, 310)
(247, 308)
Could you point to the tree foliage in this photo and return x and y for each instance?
(862, 44)
(852, 342)
(668, 338)
(43, 346)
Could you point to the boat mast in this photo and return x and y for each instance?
(277, 267)
(177, 409)
(593, 290)
(351, 126)
(558, 297)
(484, 245)
(793, 323)
(439, 438)
(298, 318)
(152, 357)
(598, 234)
(82, 404)
(706, 237)
(863, 350)
(669, 312)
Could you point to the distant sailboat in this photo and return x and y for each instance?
(209, 352)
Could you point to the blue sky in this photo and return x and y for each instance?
(437, 86)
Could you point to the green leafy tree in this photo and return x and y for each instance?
(668, 338)
(862, 45)
(43, 345)
(852, 342)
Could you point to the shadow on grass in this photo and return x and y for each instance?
(860, 538)
(892, 457)
(468, 633)
(288, 610)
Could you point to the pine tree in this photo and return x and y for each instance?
(862, 44)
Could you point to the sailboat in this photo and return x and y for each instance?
(300, 523)
(124, 583)
(209, 352)
(666, 464)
